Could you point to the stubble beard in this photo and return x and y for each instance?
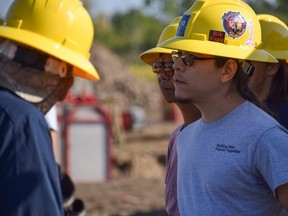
(184, 100)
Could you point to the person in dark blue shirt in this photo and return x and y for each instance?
(43, 44)
(270, 80)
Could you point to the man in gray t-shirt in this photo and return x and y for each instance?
(233, 166)
(233, 161)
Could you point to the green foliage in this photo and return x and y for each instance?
(128, 34)
(169, 9)
(278, 9)
(143, 71)
(131, 33)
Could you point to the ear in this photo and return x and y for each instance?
(228, 70)
(272, 68)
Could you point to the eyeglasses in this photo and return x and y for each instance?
(187, 58)
(167, 67)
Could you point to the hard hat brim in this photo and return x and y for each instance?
(152, 55)
(218, 49)
(84, 67)
(279, 54)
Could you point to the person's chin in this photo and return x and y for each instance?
(169, 98)
(181, 99)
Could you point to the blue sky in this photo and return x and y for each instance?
(99, 6)
(4, 5)
(111, 6)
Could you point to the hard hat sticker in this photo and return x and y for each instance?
(250, 40)
(234, 24)
(216, 36)
(182, 25)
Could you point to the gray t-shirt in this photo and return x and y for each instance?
(232, 166)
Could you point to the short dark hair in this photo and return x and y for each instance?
(241, 80)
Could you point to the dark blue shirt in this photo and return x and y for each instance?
(280, 111)
(29, 184)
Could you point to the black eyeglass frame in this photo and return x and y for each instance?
(187, 58)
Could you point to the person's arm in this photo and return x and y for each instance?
(54, 141)
(271, 161)
(51, 118)
(282, 194)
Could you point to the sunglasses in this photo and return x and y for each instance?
(248, 68)
(167, 67)
(187, 58)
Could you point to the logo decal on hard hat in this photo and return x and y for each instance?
(234, 24)
(250, 40)
(182, 25)
(216, 36)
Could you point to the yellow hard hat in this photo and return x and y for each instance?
(169, 31)
(274, 36)
(60, 28)
(227, 28)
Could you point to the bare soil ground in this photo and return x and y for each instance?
(137, 184)
(137, 180)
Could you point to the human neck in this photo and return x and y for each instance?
(263, 93)
(262, 90)
(216, 110)
(189, 112)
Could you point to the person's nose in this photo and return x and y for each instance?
(163, 75)
(178, 65)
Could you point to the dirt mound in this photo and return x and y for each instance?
(136, 189)
(118, 85)
(138, 173)
(124, 197)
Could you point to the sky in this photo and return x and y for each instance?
(99, 6)
(112, 6)
(4, 5)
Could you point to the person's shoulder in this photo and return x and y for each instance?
(178, 128)
(16, 108)
(261, 119)
(282, 105)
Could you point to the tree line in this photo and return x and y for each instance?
(130, 33)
